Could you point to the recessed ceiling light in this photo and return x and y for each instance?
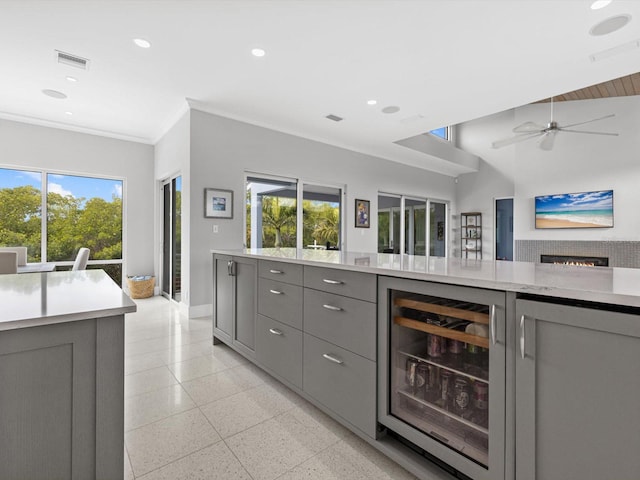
(610, 25)
(72, 79)
(258, 52)
(69, 113)
(391, 109)
(598, 4)
(371, 102)
(142, 43)
(54, 93)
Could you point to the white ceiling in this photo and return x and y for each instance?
(441, 61)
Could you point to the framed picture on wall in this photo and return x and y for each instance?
(362, 213)
(218, 203)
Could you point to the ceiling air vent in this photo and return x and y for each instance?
(335, 118)
(72, 60)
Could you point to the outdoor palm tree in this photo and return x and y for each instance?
(277, 217)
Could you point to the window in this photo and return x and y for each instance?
(21, 211)
(442, 132)
(411, 230)
(77, 211)
(274, 220)
(320, 216)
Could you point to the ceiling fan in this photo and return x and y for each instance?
(547, 134)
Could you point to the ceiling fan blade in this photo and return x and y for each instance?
(518, 138)
(589, 121)
(590, 133)
(546, 142)
(528, 127)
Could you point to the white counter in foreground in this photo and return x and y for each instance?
(62, 375)
(618, 286)
(35, 299)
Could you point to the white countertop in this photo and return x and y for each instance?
(32, 299)
(619, 286)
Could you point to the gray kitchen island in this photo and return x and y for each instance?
(62, 376)
(455, 368)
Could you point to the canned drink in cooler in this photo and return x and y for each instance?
(462, 395)
(437, 346)
(445, 387)
(481, 395)
(410, 373)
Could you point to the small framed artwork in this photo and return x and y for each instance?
(362, 213)
(218, 203)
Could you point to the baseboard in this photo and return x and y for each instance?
(201, 311)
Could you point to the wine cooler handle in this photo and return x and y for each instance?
(332, 282)
(522, 336)
(275, 331)
(331, 307)
(275, 272)
(493, 324)
(276, 292)
(333, 359)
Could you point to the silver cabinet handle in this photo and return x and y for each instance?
(522, 336)
(333, 359)
(275, 331)
(230, 267)
(276, 292)
(331, 307)
(276, 272)
(493, 324)
(332, 282)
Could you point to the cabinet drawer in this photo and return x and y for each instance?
(281, 271)
(279, 348)
(342, 381)
(280, 301)
(347, 322)
(343, 282)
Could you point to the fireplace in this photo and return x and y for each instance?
(575, 260)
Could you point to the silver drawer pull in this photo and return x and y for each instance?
(333, 359)
(275, 331)
(276, 272)
(332, 282)
(331, 307)
(276, 292)
(522, 354)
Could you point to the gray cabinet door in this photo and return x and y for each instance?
(342, 381)
(577, 391)
(222, 297)
(279, 348)
(245, 271)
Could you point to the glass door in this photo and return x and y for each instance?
(504, 229)
(445, 372)
(171, 241)
(437, 229)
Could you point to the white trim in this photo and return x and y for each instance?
(74, 128)
(197, 311)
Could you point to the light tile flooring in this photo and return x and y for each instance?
(195, 411)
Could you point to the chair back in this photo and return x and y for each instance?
(21, 251)
(8, 262)
(81, 259)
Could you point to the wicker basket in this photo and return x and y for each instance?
(141, 288)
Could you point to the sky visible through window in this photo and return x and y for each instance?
(76, 186)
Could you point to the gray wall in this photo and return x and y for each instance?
(222, 150)
(172, 157)
(62, 151)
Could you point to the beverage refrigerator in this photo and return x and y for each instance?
(441, 373)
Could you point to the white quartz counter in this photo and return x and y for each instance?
(34, 299)
(618, 286)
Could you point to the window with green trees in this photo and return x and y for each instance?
(273, 218)
(77, 211)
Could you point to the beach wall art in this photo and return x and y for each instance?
(575, 210)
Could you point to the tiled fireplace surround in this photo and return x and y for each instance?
(620, 254)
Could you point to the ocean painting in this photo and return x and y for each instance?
(575, 210)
